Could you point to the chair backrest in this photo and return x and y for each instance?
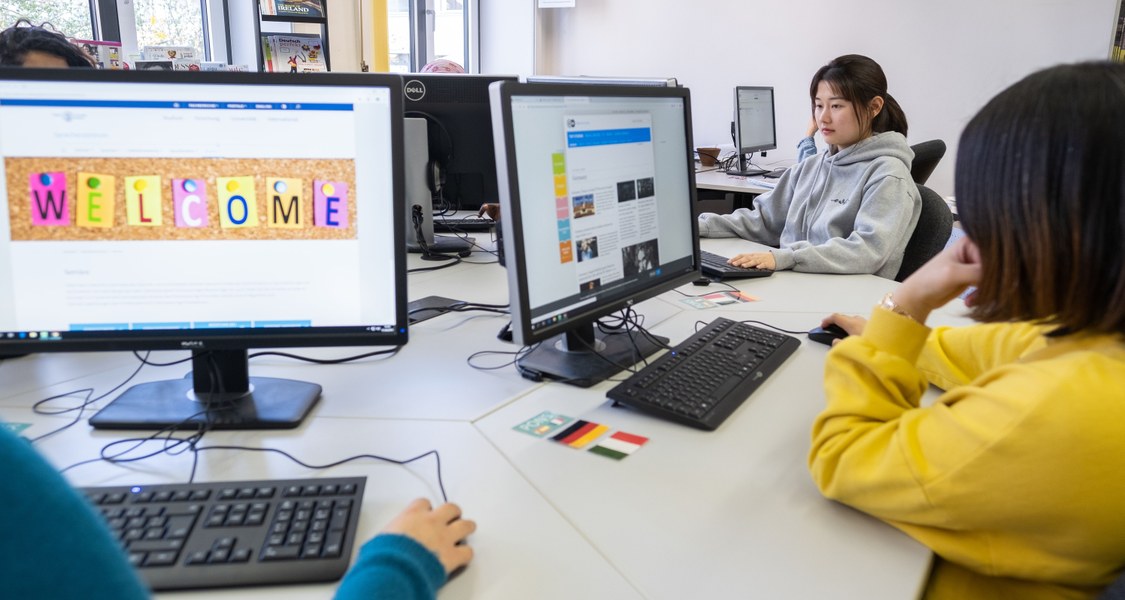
(927, 155)
(1115, 591)
(935, 223)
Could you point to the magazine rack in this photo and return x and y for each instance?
(290, 11)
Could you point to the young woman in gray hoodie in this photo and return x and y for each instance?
(849, 210)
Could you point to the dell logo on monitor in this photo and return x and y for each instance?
(191, 344)
(414, 90)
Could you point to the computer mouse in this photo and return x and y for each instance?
(826, 335)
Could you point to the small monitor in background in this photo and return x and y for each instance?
(461, 171)
(596, 196)
(753, 129)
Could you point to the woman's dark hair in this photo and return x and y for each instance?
(859, 80)
(1040, 188)
(23, 37)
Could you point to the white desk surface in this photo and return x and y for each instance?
(719, 180)
(730, 513)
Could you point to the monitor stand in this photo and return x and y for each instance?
(569, 357)
(217, 394)
(745, 169)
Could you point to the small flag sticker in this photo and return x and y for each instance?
(619, 445)
(580, 434)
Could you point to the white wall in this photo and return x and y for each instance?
(943, 58)
(507, 37)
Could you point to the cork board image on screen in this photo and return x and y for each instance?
(121, 199)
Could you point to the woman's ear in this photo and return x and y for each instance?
(875, 106)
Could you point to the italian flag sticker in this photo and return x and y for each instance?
(619, 445)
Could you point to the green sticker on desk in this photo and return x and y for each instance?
(15, 427)
(543, 423)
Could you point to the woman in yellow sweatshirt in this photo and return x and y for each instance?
(1015, 476)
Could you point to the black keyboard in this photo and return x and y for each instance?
(717, 266)
(701, 382)
(459, 224)
(233, 533)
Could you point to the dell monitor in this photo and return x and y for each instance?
(754, 128)
(596, 196)
(461, 171)
(209, 212)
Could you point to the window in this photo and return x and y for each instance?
(69, 17)
(413, 41)
(170, 23)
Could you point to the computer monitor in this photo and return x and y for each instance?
(596, 80)
(210, 212)
(461, 173)
(596, 201)
(754, 128)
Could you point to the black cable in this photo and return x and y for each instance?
(456, 260)
(328, 361)
(81, 408)
(774, 327)
(677, 290)
(404, 462)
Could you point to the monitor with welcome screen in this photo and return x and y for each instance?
(208, 212)
(596, 195)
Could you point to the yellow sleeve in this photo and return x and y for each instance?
(874, 448)
(955, 356)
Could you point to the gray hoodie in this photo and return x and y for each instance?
(848, 212)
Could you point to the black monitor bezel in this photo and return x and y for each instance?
(240, 338)
(510, 206)
(472, 149)
(744, 149)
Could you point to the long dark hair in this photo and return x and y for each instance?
(1040, 188)
(859, 80)
(23, 37)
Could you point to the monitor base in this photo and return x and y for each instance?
(444, 244)
(270, 404)
(747, 172)
(583, 367)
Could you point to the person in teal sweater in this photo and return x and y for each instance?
(55, 546)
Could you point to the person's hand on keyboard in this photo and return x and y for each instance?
(754, 260)
(441, 530)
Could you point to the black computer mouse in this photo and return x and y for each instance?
(826, 335)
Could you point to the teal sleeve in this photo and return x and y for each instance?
(393, 566)
(52, 543)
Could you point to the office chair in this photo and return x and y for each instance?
(927, 155)
(1115, 591)
(935, 223)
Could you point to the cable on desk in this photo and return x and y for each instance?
(390, 352)
(404, 462)
(445, 265)
(81, 408)
(707, 293)
(174, 446)
(500, 309)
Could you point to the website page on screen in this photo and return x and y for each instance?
(604, 196)
(173, 206)
(755, 118)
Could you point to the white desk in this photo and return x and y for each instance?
(719, 180)
(731, 513)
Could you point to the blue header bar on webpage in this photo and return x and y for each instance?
(603, 137)
(164, 104)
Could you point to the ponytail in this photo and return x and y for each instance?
(891, 118)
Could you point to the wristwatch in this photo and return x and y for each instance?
(888, 302)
